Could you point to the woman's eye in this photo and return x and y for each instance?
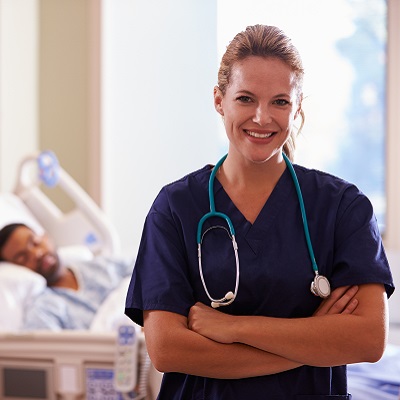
(281, 102)
(244, 99)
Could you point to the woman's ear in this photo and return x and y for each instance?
(298, 112)
(218, 97)
(299, 109)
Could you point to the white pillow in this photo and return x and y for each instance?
(18, 286)
(14, 210)
(68, 254)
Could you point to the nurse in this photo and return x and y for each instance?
(276, 339)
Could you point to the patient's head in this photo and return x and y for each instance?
(21, 245)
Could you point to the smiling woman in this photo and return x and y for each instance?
(262, 93)
(293, 340)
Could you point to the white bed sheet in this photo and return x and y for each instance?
(111, 312)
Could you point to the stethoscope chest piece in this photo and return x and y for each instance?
(320, 286)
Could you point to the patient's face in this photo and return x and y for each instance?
(32, 251)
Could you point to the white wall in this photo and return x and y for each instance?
(158, 121)
(18, 86)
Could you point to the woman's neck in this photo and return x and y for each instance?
(249, 184)
(256, 178)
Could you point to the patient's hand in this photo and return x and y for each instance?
(341, 301)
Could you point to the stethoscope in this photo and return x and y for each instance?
(319, 286)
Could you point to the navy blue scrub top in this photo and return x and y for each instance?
(275, 269)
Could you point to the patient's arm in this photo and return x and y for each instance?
(173, 347)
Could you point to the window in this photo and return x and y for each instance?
(343, 46)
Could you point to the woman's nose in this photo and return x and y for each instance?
(262, 115)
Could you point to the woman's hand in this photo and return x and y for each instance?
(210, 323)
(341, 301)
(215, 325)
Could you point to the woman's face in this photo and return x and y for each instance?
(32, 251)
(259, 107)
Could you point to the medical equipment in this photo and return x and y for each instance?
(319, 286)
(79, 365)
(125, 370)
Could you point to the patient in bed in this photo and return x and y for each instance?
(74, 291)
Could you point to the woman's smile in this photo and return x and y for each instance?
(259, 135)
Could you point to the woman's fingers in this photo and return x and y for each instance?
(341, 301)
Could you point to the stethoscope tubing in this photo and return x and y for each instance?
(320, 285)
(212, 212)
(303, 212)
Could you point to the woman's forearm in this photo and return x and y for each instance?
(174, 348)
(325, 340)
(318, 341)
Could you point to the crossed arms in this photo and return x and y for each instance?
(350, 326)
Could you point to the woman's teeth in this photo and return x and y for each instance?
(259, 135)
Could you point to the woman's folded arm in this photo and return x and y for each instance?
(320, 340)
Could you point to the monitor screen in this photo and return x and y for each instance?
(29, 380)
(28, 383)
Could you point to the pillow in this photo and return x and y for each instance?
(74, 253)
(18, 286)
(14, 210)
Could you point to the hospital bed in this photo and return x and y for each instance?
(74, 365)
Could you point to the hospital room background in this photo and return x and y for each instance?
(121, 92)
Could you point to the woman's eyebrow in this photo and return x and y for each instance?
(249, 93)
(282, 95)
(244, 92)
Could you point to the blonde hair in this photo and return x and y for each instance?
(264, 41)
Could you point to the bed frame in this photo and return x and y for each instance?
(68, 365)
(85, 224)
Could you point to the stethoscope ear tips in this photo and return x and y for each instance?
(225, 301)
(229, 296)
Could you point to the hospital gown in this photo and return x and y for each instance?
(275, 269)
(62, 308)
